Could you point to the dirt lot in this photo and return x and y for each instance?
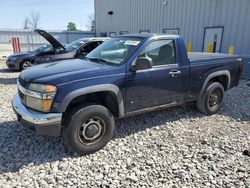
(171, 148)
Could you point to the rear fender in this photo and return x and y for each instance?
(216, 74)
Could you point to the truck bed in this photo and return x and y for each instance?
(203, 64)
(206, 57)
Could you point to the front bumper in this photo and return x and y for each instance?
(12, 65)
(43, 124)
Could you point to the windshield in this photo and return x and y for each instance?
(74, 45)
(43, 48)
(114, 51)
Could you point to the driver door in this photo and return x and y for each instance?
(159, 85)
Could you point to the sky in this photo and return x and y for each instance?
(54, 14)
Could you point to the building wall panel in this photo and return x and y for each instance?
(190, 16)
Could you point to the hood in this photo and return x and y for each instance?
(61, 72)
(55, 43)
(22, 54)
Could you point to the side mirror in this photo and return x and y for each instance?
(142, 63)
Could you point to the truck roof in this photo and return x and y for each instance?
(94, 38)
(148, 35)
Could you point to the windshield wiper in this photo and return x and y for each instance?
(102, 61)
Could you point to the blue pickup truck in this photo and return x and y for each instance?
(124, 76)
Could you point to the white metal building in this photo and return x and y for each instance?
(226, 22)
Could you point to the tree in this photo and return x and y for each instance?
(91, 22)
(33, 21)
(26, 23)
(71, 26)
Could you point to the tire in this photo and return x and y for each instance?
(210, 100)
(88, 129)
(24, 65)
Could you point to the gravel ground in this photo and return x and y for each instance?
(171, 148)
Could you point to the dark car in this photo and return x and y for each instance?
(77, 49)
(126, 75)
(22, 60)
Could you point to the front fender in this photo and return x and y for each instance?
(92, 89)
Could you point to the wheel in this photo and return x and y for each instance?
(88, 129)
(210, 101)
(24, 65)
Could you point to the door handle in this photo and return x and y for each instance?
(174, 73)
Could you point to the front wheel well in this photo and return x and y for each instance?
(105, 98)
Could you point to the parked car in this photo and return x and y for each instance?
(126, 75)
(22, 60)
(58, 51)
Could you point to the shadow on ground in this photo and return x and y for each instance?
(8, 71)
(8, 81)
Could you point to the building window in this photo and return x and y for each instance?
(124, 32)
(112, 34)
(103, 34)
(172, 31)
(144, 31)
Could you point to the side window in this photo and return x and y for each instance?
(89, 47)
(162, 52)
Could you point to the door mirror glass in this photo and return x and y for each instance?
(142, 63)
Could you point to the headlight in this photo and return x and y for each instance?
(40, 97)
(42, 88)
(13, 58)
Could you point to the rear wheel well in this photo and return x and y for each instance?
(105, 98)
(223, 80)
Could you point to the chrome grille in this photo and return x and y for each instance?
(22, 97)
